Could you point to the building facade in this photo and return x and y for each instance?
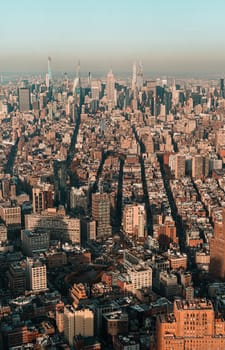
(193, 325)
(36, 275)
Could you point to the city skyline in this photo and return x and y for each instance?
(112, 192)
(168, 37)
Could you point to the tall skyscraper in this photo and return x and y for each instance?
(49, 69)
(42, 198)
(95, 89)
(197, 166)
(134, 219)
(139, 76)
(60, 178)
(77, 90)
(101, 214)
(179, 166)
(110, 87)
(222, 90)
(134, 77)
(24, 99)
(217, 249)
(89, 80)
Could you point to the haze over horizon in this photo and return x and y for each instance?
(169, 37)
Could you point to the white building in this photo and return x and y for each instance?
(134, 219)
(36, 275)
(78, 322)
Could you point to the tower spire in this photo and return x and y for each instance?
(49, 68)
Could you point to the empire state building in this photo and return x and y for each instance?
(110, 87)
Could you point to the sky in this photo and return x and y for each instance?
(169, 36)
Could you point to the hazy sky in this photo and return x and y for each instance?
(167, 35)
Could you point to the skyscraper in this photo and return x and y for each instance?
(222, 91)
(217, 249)
(197, 166)
(101, 213)
(134, 219)
(24, 99)
(179, 166)
(49, 69)
(134, 77)
(110, 87)
(95, 89)
(42, 198)
(139, 76)
(77, 90)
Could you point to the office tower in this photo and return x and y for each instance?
(134, 77)
(17, 278)
(34, 242)
(101, 214)
(95, 89)
(197, 166)
(60, 178)
(88, 230)
(89, 79)
(84, 323)
(167, 100)
(43, 100)
(42, 198)
(77, 322)
(49, 70)
(222, 91)
(59, 316)
(77, 89)
(206, 165)
(5, 187)
(139, 76)
(217, 249)
(175, 94)
(193, 325)
(47, 81)
(179, 166)
(110, 87)
(134, 219)
(36, 275)
(24, 99)
(69, 324)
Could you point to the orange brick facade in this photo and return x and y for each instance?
(192, 326)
